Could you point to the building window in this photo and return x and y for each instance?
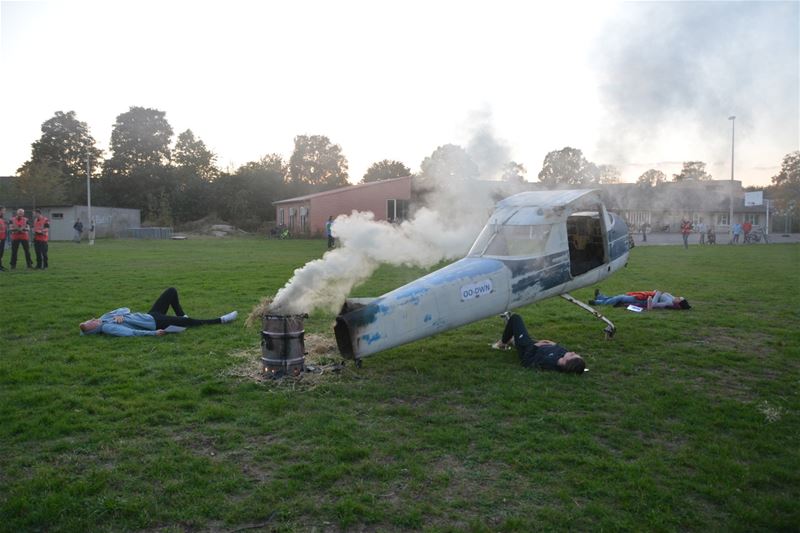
(304, 219)
(58, 216)
(396, 210)
(635, 219)
(292, 217)
(281, 219)
(696, 219)
(751, 218)
(722, 219)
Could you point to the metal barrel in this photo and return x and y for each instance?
(283, 345)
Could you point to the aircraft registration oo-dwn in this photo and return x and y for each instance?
(535, 245)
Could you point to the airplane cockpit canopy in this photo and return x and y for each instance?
(531, 224)
(512, 240)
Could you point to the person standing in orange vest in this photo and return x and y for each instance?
(19, 235)
(2, 236)
(41, 234)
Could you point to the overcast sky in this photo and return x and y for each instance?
(637, 85)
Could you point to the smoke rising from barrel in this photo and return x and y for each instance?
(451, 213)
(365, 244)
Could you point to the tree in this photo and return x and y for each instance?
(514, 172)
(64, 145)
(786, 187)
(190, 195)
(790, 170)
(651, 178)
(385, 170)
(692, 171)
(317, 164)
(140, 140)
(567, 167)
(138, 169)
(40, 183)
(245, 198)
(192, 157)
(607, 174)
(449, 162)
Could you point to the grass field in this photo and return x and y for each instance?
(686, 420)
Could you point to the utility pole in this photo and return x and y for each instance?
(89, 194)
(732, 118)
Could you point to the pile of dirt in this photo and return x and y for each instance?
(212, 226)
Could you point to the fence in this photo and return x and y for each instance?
(150, 233)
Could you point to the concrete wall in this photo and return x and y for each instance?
(109, 221)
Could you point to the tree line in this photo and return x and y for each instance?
(180, 181)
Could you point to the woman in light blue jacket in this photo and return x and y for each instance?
(123, 323)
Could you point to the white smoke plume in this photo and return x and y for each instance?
(454, 212)
(701, 63)
(488, 151)
(365, 244)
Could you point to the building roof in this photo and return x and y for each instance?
(705, 195)
(553, 198)
(339, 190)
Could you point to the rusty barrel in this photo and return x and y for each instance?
(283, 345)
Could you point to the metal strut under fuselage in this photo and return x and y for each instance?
(610, 328)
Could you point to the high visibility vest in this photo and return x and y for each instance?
(2, 229)
(641, 295)
(40, 232)
(19, 229)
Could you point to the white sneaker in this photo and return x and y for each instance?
(230, 317)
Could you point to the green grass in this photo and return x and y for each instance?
(686, 420)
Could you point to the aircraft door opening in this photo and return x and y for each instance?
(586, 243)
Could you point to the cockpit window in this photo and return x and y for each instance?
(512, 240)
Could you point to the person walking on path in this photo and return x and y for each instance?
(747, 227)
(737, 230)
(686, 229)
(701, 229)
(41, 234)
(78, 227)
(123, 323)
(329, 231)
(19, 237)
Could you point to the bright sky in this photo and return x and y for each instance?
(636, 85)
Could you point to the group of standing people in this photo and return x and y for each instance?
(702, 229)
(745, 232)
(742, 232)
(18, 228)
(16, 233)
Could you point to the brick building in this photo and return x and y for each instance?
(307, 215)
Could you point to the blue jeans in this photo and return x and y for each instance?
(614, 300)
(516, 328)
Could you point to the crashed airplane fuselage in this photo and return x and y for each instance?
(534, 246)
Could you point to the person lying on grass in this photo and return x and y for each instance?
(643, 299)
(542, 354)
(122, 323)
